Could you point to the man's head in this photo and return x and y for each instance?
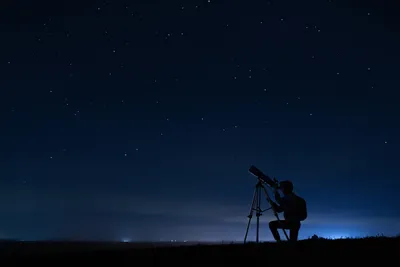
(286, 187)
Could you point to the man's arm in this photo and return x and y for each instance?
(280, 207)
(276, 207)
(278, 197)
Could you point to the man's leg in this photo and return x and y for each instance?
(273, 226)
(294, 230)
(293, 227)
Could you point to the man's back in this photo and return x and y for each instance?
(293, 207)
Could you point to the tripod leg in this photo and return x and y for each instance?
(285, 233)
(284, 230)
(253, 203)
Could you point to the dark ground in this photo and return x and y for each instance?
(319, 252)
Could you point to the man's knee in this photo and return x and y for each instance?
(273, 224)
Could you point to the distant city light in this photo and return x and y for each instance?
(338, 235)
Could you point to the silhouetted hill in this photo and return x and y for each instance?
(313, 251)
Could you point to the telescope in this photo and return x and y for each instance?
(256, 202)
(263, 177)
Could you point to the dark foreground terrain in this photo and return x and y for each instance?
(307, 252)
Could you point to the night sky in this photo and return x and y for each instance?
(139, 119)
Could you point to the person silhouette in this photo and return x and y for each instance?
(294, 211)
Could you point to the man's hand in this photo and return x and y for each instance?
(276, 207)
(277, 196)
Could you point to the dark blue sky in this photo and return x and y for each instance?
(140, 119)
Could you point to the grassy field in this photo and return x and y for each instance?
(359, 251)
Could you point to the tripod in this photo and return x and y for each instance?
(256, 206)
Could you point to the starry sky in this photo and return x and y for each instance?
(140, 119)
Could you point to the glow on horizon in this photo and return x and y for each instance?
(338, 235)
